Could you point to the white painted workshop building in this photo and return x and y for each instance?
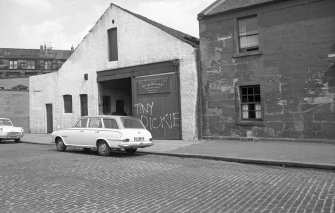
(125, 63)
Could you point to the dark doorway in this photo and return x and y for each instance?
(119, 105)
(116, 96)
(49, 118)
(83, 105)
(106, 105)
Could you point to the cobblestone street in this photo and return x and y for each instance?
(37, 178)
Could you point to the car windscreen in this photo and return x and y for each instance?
(5, 122)
(82, 123)
(131, 123)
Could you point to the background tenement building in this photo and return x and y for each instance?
(16, 65)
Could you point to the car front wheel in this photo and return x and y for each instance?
(60, 145)
(103, 149)
(131, 150)
(17, 140)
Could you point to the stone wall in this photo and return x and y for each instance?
(15, 106)
(292, 68)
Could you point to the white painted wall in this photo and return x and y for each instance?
(138, 43)
(42, 92)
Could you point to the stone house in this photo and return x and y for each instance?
(126, 64)
(266, 71)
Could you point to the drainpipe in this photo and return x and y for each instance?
(199, 95)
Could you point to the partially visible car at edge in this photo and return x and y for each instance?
(9, 132)
(104, 133)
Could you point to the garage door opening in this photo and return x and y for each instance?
(116, 97)
(149, 92)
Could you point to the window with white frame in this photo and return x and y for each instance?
(248, 34)
(251, 108)
(12, 64)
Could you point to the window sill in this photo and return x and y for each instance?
(250, 123)
(244, 54)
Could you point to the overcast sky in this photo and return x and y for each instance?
(61, 23)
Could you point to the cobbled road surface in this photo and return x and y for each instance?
(37, 178)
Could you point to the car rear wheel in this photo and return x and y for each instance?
(103, 148)
(17, 140)
(60, 145)
(131, 150)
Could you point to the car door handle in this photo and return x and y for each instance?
(81, 130)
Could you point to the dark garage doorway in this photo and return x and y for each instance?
(114, 92)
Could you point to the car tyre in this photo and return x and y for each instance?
(103, 148)
(131, 150)
(60, 145)
(17, 140)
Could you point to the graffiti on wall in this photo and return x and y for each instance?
(156, 121)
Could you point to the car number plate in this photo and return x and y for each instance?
(139, 139)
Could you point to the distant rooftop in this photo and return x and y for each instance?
(221, 6)
(34, 53)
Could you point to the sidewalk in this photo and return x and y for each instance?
(279, 153)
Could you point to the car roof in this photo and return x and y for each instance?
(108, 116)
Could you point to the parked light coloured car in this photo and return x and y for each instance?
(104, 133)
(9, 132)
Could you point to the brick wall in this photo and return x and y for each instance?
(292, 68)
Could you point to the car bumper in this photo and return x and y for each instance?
(143, 144)
(11, 136)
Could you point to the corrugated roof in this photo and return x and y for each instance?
(221, 6)
(193, 41)
(34, 53)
